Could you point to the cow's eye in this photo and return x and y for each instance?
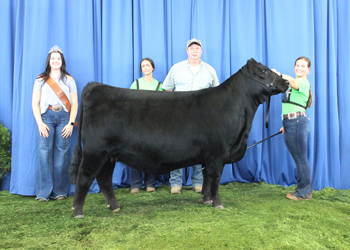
(263, 71)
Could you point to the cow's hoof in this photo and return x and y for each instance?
(116, 210)
(108, 206)
(209, 202)
(219, 207)
(80, 216)
(73, 208)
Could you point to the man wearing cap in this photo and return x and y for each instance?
(188, 75)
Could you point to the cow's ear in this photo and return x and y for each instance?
(248, 68)
(252, 61)
(251, 64)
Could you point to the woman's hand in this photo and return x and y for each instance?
(43, 128)
(282, 130)
(293, 83)
(67, 130)
(275, 71)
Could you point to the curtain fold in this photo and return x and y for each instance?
(105, 41)
(343, 90)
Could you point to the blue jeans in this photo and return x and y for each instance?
(296, 132)
(136, 179)
(52, 178)
(176, 177)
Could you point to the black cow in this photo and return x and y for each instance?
(161, 131)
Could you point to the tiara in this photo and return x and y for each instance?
(55, 49)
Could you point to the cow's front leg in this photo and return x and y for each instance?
(214, 173)
(104, 179)
(207, 199)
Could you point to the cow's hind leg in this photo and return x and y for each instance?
(89, 168)
(104, 179)
(207, 199)
(81, 189)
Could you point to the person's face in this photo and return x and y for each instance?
(146, 67)
(301, 68)
(194, 52)
(55, 61)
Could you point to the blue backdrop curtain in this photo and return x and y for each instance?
(105, 41)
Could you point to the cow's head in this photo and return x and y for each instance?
(262, 74)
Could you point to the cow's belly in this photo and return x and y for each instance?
(159, 155)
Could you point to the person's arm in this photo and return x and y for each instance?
(169, 83)
(215, 80)
(282, 130)
(43, 128)
(133, 85)
(68, 129)
(293, 82)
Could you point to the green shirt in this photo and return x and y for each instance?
(300, 96)
(147, 85)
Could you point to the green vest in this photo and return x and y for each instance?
(142, 84)
(296, 100)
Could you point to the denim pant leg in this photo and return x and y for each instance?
(176, 178)
(197, 176)
(150, 180)
(296, 133)
(136, 179)
(61, 157)
(44, 170)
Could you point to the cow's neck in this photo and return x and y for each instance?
(258, 93)
(246, 96)
(250, 93)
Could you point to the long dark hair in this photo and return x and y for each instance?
(46, 74)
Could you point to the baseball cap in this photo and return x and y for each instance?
(192, 41)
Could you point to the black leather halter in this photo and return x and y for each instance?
(268, 86)
(256, 80)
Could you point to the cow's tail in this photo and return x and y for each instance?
(77, 154)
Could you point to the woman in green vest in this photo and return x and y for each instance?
(145, 83)
(296, 126)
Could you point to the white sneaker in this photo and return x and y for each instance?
(135, 191)
(197, 189)
(175, 190)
